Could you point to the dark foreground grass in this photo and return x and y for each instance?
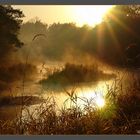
(120, 115)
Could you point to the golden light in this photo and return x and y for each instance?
(100, 101)
(90, 15)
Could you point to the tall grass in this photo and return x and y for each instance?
(120, 115)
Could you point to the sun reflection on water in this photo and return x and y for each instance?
(94, 93)
(100, 101)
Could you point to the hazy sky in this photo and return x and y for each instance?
(49, 14)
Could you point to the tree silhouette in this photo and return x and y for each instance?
(10, 20)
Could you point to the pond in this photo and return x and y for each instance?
(85, 92)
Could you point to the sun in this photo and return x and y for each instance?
(90, 15)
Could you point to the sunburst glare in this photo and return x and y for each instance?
(90, 15)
